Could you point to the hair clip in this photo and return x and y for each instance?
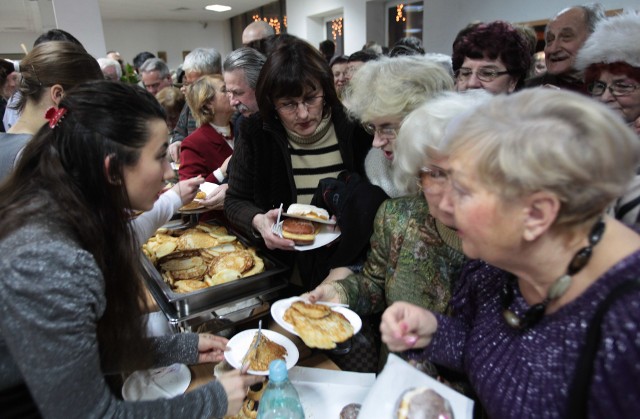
(54, 116)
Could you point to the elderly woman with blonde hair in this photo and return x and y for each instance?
(552, 297)
(380, 94)
(415, 254)
(207, 150)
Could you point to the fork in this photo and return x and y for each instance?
(277, 227)
(247, 359)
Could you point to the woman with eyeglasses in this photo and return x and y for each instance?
(611, 66)
(300, 136)
(530, 177)
(492, 56)
(380, 95)
(415, 254)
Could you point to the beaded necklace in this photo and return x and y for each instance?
(535, 313)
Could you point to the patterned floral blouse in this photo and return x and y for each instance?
(413, 258)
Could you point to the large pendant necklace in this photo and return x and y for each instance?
(535, 313)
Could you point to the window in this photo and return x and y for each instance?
(404, 19)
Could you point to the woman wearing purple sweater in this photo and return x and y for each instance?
(530, 177)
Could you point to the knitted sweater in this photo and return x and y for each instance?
(410, 260)
(261, 175)
(526, 374)
(51, 299)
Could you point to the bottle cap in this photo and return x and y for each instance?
(277, 371)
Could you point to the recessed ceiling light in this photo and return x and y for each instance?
(217, 8)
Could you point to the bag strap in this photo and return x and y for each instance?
(579, 389)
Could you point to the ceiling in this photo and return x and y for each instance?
(25, 15)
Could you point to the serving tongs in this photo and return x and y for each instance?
(277, 227)
(246, 361)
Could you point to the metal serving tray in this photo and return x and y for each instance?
(180, 307)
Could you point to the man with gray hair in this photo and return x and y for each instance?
(110, 68)
(155, 75)
(198, 63)
(564, 35)
(241, 70)
(255, 31)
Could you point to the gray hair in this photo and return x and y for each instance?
(248, 60)
(421, 135)
(394, 86)
(549, 140)
(155, 64)
(110, 62)
(593, 13)
(203, 61)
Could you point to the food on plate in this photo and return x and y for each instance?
(195, 204)
(314, 311)
(302, 232)
(423, 403)
(261, 356)
(310, 211)
(350, 411)
(206, 254)
(320, 331)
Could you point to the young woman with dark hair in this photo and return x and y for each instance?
(71, 295)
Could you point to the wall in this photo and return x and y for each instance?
(304, 19)
(441, 25)
(130, 38)
(442, 18)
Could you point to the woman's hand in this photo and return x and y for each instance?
(188, 188)
(211, 348)
(323, 292)
(174, 151)
(224, 166)
(262, 223)
(406, 326)
(236, 384)
(215, 200)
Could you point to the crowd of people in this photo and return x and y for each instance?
(488, 203)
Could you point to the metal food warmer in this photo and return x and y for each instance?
(222, 306)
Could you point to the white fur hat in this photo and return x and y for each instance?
(615, 39)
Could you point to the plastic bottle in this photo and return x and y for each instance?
(280, 399)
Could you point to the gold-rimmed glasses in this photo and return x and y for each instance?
(432, 179)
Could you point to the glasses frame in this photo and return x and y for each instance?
(292, 108)
(611, 88)
(390, 134)
(437, 185)
(481, 77)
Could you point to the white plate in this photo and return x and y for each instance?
(166, 382)
(207, 188)
(279, 307)
(239, 345)
(315, 220)
(326, 235)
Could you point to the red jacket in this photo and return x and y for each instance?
(202, 152)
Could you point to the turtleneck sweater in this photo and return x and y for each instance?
(313, 158)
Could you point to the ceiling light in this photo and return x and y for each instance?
(217, 8)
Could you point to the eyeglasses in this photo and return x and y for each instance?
(292, 107)
(617, 88)
(432, 180)
(384, 132)
(483, 74)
